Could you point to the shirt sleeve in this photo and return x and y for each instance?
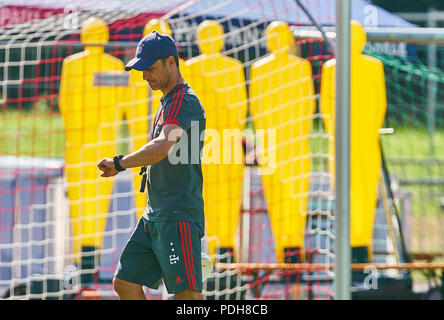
(183, 111)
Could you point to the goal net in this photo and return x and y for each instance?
(268, 160)
(412, 152)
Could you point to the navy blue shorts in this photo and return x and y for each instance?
(168, 250)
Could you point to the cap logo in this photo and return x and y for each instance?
(139, 49)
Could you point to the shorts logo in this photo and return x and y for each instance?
(173, 258)
(178, 280)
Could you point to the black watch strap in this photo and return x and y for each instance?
(117, 165)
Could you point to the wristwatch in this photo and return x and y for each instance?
(117, 165)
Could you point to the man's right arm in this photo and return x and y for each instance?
(152, 152)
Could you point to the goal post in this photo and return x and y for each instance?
(343, 142)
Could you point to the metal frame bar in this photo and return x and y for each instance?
(342, 281)
(408, 35)
(305, 267)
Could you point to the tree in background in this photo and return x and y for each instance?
(409, 5)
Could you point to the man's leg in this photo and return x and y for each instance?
(189, 295)
(128, 290)
(137, 266)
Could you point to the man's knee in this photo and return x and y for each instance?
(189, 295)
(123, 287)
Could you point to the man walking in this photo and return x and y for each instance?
(166, 243)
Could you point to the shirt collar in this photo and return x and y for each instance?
(172, 91)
